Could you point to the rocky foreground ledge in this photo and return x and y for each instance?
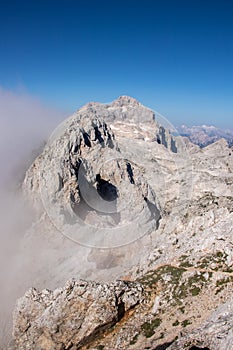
(83, 314)
(73, 316)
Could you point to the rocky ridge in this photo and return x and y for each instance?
(182, 255)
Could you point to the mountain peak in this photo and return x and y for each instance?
(125, 101)
(124, 108)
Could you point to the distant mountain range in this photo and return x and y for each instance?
(204, 135)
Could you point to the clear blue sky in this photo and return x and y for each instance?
(174, 56)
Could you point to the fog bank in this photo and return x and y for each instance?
(25, 125)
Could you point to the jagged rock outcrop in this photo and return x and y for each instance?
(59, 161)
(71, 317)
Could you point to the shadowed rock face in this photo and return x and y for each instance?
(112, 177)
(82, 175)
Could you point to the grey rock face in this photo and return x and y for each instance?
(122, 109)
(72, 316)
(62, 155)
(216, 333)
(85, 181)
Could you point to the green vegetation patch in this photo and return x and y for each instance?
(215, 262)
(185, 323)
(221, 284)
(184, 262)
(151, 278)
(192, 286)
(175, 286)
(182, 309)
(195, 291)
(134, 340)
(148, 328)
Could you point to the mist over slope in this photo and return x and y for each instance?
(25, 125)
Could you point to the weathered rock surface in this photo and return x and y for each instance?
(111, 175)
(72, 316)
(215, 334)
(83, 179)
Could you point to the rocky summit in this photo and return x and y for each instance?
(138, 220)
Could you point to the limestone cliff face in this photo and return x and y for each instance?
(83, 178)
(117, 196)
